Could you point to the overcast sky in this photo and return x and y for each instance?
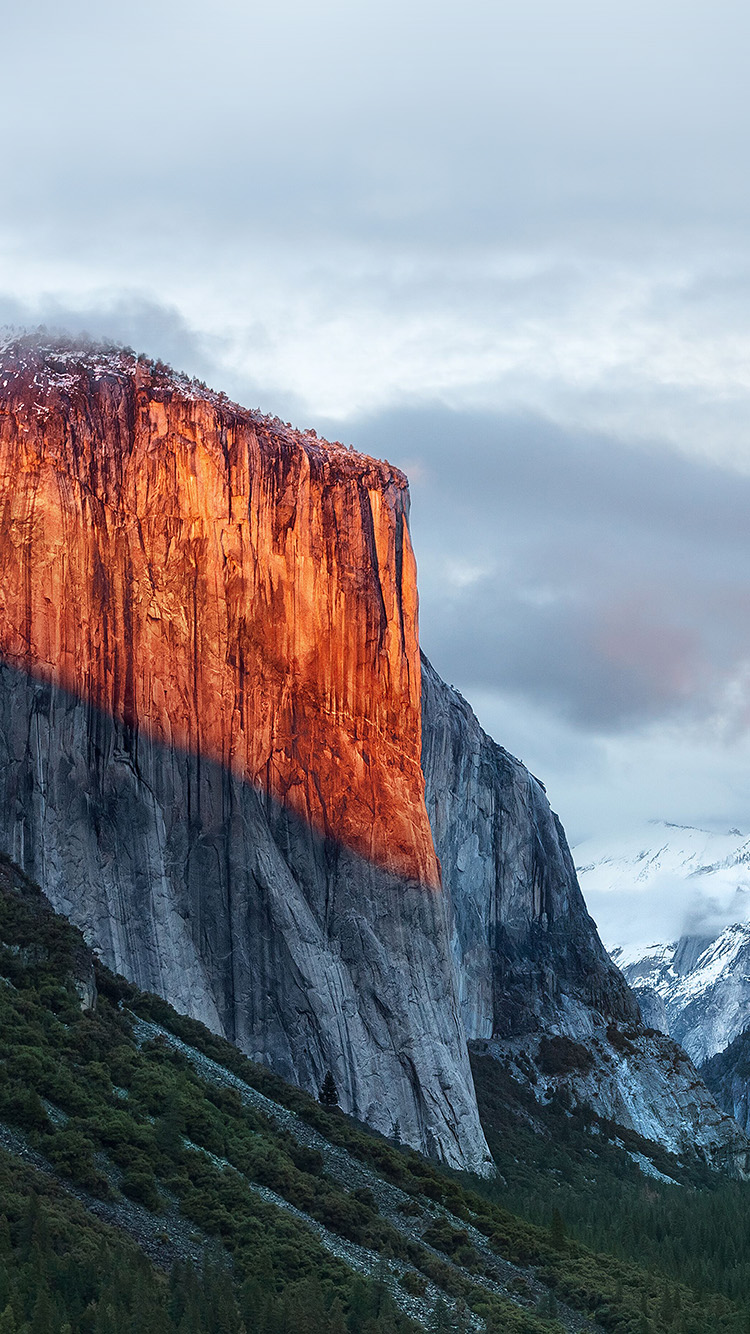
(505, 245)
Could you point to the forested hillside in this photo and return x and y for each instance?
(155, 1180)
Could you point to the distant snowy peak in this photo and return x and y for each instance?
(695, 987)
(646, 966)
(659, 849)
(703, 987)
(697, 991)
(686, 966)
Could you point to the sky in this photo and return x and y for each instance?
(503, 245)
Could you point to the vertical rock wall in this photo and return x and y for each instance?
(527, 953)
(210, 727)
(221, 584)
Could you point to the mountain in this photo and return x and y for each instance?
(538, 992)
(210, 727)
(696, 988)
(222, 758)
(700, 989)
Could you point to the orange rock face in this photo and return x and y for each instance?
(220, 582)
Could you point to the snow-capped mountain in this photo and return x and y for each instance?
(687, 889)
(697, 991)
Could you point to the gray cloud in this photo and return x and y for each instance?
(135, 320)
(151, 326)
(607, 581)
(503, 245)
(471, 123)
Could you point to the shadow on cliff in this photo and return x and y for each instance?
(196, 886)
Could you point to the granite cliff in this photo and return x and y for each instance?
(210, 727)
(727, 1074)
(537, 989)
(525, 947)
(212, 760)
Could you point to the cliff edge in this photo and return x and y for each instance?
(210, 723)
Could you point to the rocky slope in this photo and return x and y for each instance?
(641, 1080)
(211, 710)
(727, 1074)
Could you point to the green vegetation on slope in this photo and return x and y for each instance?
(555, 1163)
(113, 1122)
(179, 1161)
(62, 1270)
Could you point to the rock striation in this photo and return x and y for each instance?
(210, 727)
(527, 952)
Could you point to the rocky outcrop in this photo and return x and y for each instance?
(210, 727)
(639, 1079)
(728, 1076)
(538, 991)
(527, 953)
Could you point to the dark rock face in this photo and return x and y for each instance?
(728, 1077)
(527, 952)
(195, 886)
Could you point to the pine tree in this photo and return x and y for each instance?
(440, 1320)
(360, 1304)
(329, 1094)
(666, 1307)
(43, 1320)
(336, 1319)
(30, 1225)
(557, 1232)
(106, 1319)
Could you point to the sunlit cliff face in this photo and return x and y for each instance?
(221, 583)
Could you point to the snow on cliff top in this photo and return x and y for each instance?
(59, 361)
